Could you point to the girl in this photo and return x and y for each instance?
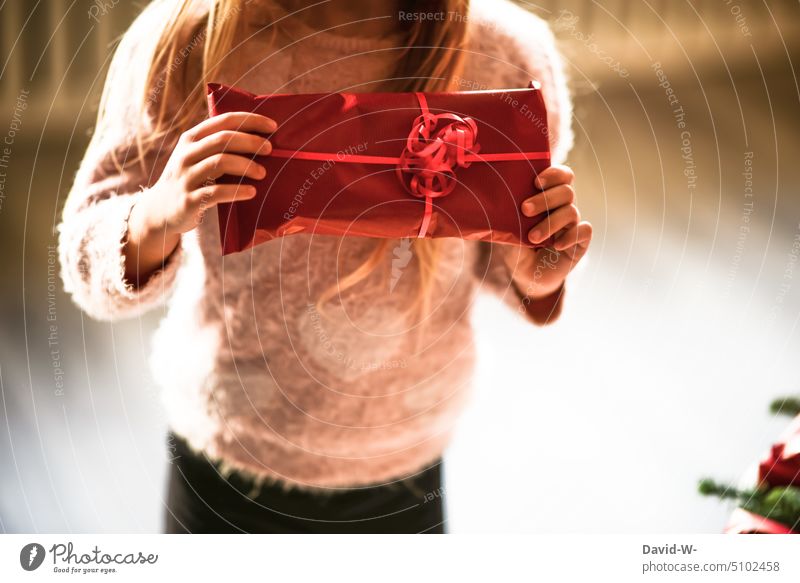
(311, 383)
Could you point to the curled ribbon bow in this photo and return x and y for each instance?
(433, 151)
(436, 146)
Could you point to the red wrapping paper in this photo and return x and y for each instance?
(390, 165)
(781, 467)
(744, 522)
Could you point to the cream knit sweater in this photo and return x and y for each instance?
(250, 372)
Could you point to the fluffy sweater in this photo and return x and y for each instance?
(251, 373)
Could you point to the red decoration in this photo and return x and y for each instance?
(346, 164)
(782, 466)
(744, 522)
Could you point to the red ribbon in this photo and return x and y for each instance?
(430, 157)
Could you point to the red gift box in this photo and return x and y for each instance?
(781, 467)
(744, 522)
(390, 165)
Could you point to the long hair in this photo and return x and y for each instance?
(431, 61)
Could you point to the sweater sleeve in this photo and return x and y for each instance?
(514, 46)
(109, 181)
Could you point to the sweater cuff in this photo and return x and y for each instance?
(93, 263)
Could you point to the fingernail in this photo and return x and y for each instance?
(538, 183)
(527, 209)
(266, 147)
(535, 236)
(262, 172)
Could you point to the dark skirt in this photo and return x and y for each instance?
(201, 500)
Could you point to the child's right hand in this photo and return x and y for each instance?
(176, 203)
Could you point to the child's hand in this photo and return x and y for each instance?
(177, 201)
(541, 272)
(203, 153)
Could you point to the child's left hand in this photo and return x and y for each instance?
(541, 272)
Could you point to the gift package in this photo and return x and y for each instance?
(772, 505)
(390, 165)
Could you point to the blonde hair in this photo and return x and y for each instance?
(431, 61)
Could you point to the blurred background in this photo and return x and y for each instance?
(679, 328)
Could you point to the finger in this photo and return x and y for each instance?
(561, 218)
(218, 164)
(217, 193)
(548, 200)
(227, 141)
(579, 235)
(576, 253)
(242, 121)
(553, 176)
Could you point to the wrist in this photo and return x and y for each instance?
(535, 290)
(143, 231)
(543, 276)
(147, 245)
